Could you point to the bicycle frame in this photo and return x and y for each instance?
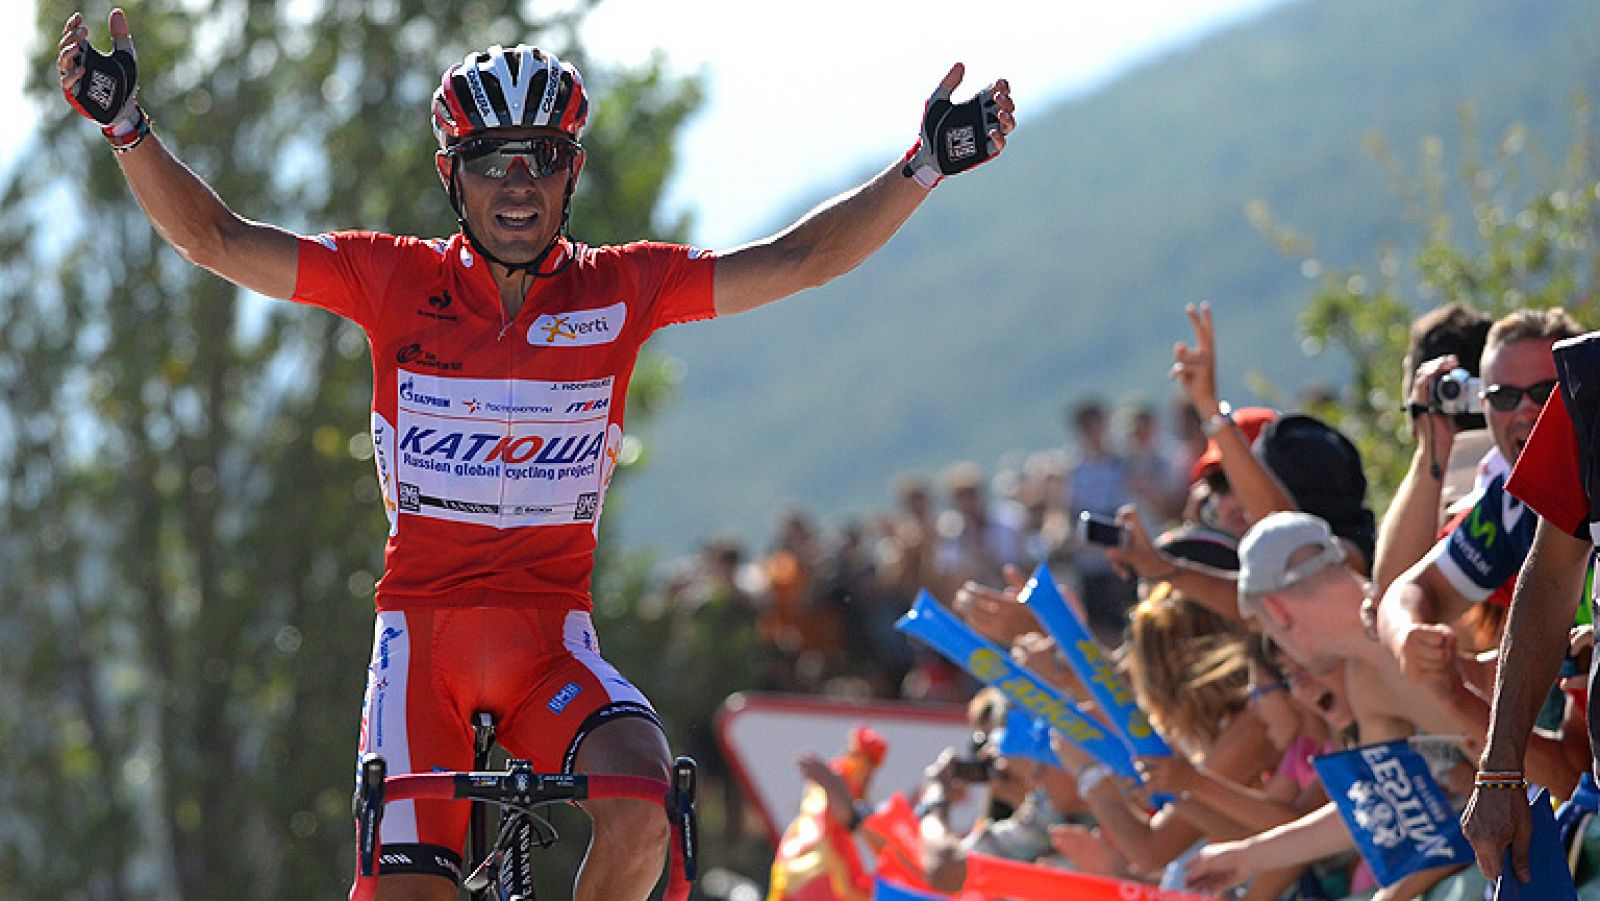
(519, 787)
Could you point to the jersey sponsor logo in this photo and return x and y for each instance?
(578, 328)
(415, 354)
(474, 406)
(564, 697)
(505, 453)
(429, 448)
(589, 406)
(410, 394)
(437, 304)
(328, 242)
(390, 633)
(1481, 529)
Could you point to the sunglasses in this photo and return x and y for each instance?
(1505, 398)
(494, 157)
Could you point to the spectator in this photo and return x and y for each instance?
(974, 544)
(1155, 477)
(1470, 565)
(1097, 484)
(1187, 669)
(1297, 586)
(1443, 339)
(797, 630)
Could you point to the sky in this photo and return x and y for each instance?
(800, 97)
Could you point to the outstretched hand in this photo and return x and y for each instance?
(955, 137)
(100, 87)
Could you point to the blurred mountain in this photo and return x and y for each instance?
(1061, 270)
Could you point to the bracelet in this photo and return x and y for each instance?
(1091, 776)
(1224, 416)
(1509, 779)
(1520, 785)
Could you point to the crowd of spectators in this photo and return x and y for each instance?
(822, 603)
(1259, 609)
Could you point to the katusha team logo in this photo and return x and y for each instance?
(578, 328)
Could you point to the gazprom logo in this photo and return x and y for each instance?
(410, 394)
(578, 328)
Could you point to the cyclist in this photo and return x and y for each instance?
(501, 359)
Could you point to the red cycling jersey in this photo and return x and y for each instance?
(495, 437)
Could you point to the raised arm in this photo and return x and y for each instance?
(841, 233)
(1411, 522)
(1258, 490)
(184, 210)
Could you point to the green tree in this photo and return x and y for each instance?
(1531, 239)
(193, 530)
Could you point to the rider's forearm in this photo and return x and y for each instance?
(190, 216)
(1534, 642)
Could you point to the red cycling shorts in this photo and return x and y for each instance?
(539, 672)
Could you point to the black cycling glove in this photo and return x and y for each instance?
(954, 137)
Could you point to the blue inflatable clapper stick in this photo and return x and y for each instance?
(1026, 737)
(992, 665)
(1097, 673)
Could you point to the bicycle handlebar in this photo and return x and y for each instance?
(518, 785)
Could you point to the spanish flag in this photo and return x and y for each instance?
(817, 858)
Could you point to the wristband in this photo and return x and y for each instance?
(131, 138)
(1090, 777)
(1224, 417)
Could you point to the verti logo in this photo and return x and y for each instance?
(557, 328)
(578, 328)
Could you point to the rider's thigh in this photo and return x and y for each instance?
(632, 746)
(410, 887)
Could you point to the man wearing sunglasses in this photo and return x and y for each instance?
(501, 360)
(1486, 547)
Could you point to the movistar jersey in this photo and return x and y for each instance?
(495, 437)
(1485, 551)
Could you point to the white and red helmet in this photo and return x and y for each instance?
(521, 87)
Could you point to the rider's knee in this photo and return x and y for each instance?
(640, 824)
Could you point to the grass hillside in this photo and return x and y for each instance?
(1061, 270)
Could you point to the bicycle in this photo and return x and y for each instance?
(505, 869)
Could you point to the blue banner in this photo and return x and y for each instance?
(883, 890)
(1400, 818)
(1025, 737)
(992, 665)
(1087, 659)
(1547, 861)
